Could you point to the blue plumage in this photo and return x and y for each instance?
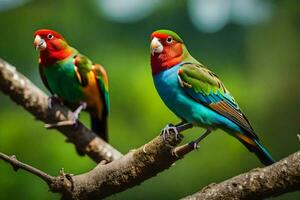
(197, 95)
(186, 104)
(185, 107)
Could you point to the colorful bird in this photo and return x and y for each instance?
(196, 95)
(73, 79)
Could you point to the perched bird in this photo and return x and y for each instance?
(73, 79)
(197, 95)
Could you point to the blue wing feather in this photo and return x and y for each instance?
(218, 98)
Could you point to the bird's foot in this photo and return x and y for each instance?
(61, 124)
(75, 115)
(73, 118)
(53, 100)
(168, 130)
(195, 143)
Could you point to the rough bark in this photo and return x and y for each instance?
(107, 179)
(260, 183)
(23, 92)
(130, 170)
(139, 165)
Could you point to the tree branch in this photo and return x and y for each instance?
(23, 92)
(104, 180)
(143, 163)
(259, 183)
(130, 170)
(19, 165)
(56, 184)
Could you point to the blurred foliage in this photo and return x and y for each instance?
(258, 63)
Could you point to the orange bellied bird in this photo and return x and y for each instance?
(73, 79)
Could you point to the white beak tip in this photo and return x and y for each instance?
(156, 46)
(39, 43)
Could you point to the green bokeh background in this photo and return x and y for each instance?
(259, 64)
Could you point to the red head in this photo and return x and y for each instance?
(51, 45)
(166, 50)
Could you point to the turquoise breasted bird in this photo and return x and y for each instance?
(73, 79)
(197, 95)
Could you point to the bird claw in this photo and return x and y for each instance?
(75, 115)
(168, 130)
(194, 145)
(73, 118)
(62, 123)
(53, 100)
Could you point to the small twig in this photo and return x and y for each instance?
(61, 184)
(16, 164)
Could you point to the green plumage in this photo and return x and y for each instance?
(76, 80)
(62, 80)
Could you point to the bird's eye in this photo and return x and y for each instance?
(49, 36)
(169, 39)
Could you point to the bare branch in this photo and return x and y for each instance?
(19, 165)
(56, 184)
(143, 163)
(130, 170)
(260, 183)
(104, 180)
(23, 92)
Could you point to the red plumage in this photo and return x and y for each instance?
(169, 57)
(57, 48)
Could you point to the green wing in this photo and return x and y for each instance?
(83, 65)
(205, 87)
(102, 81)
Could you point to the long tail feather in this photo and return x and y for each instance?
(99, 126)
(263, 154)
(255, 146)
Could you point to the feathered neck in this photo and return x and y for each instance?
(169, 58)
(49, 57)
